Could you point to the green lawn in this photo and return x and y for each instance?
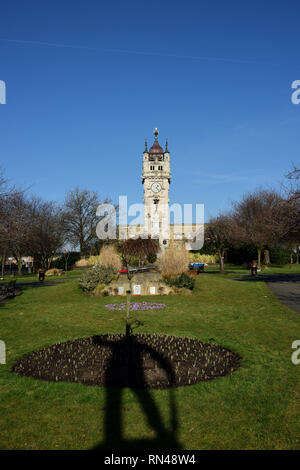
(239, 270)
(257, 407)
(34, 277)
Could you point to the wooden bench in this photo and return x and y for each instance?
(8, 290)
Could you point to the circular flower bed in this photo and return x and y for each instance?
(135, 306)
(137, 361)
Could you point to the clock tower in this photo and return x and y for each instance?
(156, 179)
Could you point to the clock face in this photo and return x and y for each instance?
(156, 187)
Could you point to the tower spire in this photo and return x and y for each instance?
(155, 134)
(166, 146)
(146, 145)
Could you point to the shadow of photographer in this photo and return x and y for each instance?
(127, 367)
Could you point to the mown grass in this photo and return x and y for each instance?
(256, 407)
(35, 277)
(240, 270)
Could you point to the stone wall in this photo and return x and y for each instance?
(147, 283)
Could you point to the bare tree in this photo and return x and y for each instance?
(263, 218)
(220, 233)
(6, 193)
(4, 230)
(292, 195)
(140, 247)
(45, 236)
(3, 182)
(12, 237)
(293, 189)
(16, 226)
(79, 218)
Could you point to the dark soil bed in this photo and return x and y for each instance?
(140, 361)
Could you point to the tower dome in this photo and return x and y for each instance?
(156, 148)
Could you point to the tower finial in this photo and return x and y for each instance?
(146, 145)
(166, 146)
(155, 134)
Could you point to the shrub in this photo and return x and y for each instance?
(182, 281)
(133, 261)
(93, 260)
(151, 258)
(279, 256)
(82, 263)
(245, 254)
(54, 272)
(110, 257)
(60, 263)
(203, 258)
(205, 250)
(173, 261)
(95, 276)
(99, 289)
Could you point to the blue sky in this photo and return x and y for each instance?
(88, 81)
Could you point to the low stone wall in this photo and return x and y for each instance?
(147, 283)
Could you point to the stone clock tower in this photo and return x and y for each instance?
(156, 179)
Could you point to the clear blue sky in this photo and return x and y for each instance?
(87, 81)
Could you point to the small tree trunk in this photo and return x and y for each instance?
(3, 264)
(20, 265)
(66, 262)
(259, 258)
(266, 257)
(221, 261)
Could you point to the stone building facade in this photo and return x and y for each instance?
(156, 180)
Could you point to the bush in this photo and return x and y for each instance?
(99, 289)
(54, 272)
(110, 257)
(60, 263)
(95, 276)
(205, 250)
(279, 256)
(173, 261)
(133, 261)
(93, 260)
(151, 258)
(82, 263)
(182, 281)
(242, 255)
(203, 258)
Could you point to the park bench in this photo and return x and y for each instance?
(8, 290)
(137, 270)
(197, 266)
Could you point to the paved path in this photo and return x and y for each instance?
(287, 291)
(286, 287)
